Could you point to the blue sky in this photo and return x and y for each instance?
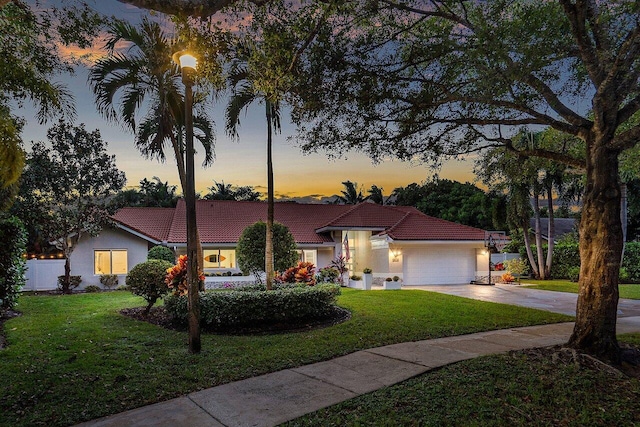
(241, 162)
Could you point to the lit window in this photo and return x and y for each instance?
(110, 261)
(219, 258)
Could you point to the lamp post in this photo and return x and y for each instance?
(187, 63)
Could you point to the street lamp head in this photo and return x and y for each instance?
(185, 59)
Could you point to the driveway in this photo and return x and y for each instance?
(558, 302)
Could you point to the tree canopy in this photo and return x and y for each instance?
(65, 188)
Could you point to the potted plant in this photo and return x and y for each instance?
(368, 278)
(391, 284)
(355, 282)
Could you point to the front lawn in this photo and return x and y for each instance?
(626, 291)
(75, 358)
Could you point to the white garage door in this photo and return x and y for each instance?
(438, 265)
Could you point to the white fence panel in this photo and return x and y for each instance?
(42, 274)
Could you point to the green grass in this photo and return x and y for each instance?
(626, 291)
(518, 389)
(74, 358)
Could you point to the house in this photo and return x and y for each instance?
(391, 240)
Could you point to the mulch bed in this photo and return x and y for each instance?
(159, 316)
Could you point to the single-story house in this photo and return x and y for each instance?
(391, 240)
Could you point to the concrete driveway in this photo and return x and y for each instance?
(558, 302)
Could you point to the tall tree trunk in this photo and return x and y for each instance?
(538, 231)
(527, 245)
(182, 174)
(600, 251)
(551, 232)
(268, 251)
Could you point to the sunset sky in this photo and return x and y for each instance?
(241, 162)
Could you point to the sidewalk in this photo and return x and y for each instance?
(274, 398)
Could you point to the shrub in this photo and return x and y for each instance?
(517, 266)
(396, 278)
(74, 282)
(92, 288)
(147, 280)
(507, 278)
(328, 275)
(340, 264)
(573, 274)
(367, 271)
(176, 277)
(624, 275)
(123, 288)
(12, 265)
(388, 279)
(251, 247)
(161, 252)
(252, 305)
(631, 261)
(303, 273)
(109, 281)
(356, 277)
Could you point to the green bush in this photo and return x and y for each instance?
(123, 288)
(396, 278)
(367, 270)
(254, 306)
(573, 274)
(328, 275)
(147, 280)
(109, 280)
(92, 288)
(631, 261)
(163, 253)
(74, 282)
(517, 266)
(12, 265)
(355, 277)
(251, 248)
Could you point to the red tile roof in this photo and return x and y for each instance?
(223, 221)
(154, 223)
(423, 227)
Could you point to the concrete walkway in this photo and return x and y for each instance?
(274, 398)
(557, 302)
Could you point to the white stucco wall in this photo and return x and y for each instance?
(82, 258)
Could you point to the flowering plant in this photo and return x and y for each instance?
(176, 277)
(507, 278)
(304, 272)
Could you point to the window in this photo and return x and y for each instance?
(219, 258)
(110, 261)
(308, 255)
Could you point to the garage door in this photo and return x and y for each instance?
(438, 265)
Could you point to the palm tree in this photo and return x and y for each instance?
(145, 72)
(220, 191)
(351, 195)
(375, 194)
(242, 81)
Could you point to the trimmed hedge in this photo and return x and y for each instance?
(566, 261)
(252, 305)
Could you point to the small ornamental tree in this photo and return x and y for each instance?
(12, 264)
(161, 252)
(251, 248)
(147, 280)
